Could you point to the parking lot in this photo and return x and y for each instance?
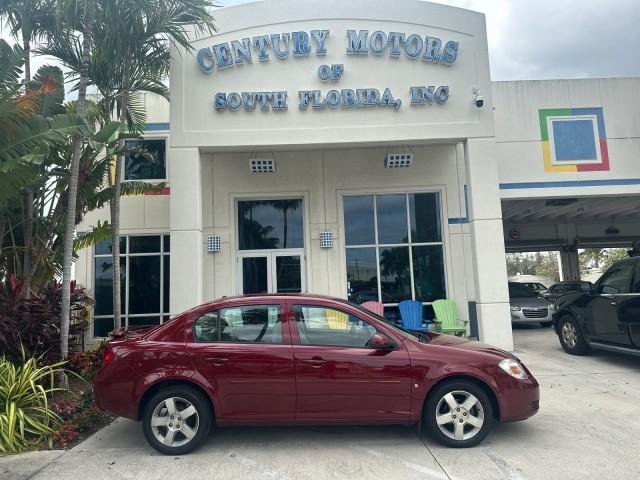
(587, 428)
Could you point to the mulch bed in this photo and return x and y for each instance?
(82, 417)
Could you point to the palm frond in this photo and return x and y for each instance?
(97, 234)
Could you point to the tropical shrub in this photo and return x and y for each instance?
(25, 417)
(33, 326)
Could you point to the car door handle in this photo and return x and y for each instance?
(217, 361)
(614, 303)
(315, 362)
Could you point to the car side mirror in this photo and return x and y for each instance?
(379, 341)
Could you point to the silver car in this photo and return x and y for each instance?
(527, 307)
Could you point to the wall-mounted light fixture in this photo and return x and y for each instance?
(326, 239)
(214, 243)
(612, 230)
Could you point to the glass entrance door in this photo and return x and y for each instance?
(271, 272)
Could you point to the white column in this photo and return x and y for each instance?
(487, 240)
(187, 243)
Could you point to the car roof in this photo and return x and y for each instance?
(276, 297)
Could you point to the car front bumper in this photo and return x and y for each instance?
(528, 315)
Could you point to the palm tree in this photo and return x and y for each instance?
(79, 16)
(29, 20)
(142, 35)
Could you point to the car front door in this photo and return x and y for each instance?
(339, 376)
(606, 320)
(245, 353)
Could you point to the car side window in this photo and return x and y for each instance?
(245, 324)
(557, 289)
(617, 279)
(635, 288)
(329, 327)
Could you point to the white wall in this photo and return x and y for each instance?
(321, 177)
(194, 122)
(518, 137)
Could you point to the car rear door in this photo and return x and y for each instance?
(609, 306)
(338, 377)
(245, 353)
(630, 309)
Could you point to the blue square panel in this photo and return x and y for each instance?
(574, 140)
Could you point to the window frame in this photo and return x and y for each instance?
(162, 137)
(410, 244)
(219, 341)
(124, 310)
(297, 342)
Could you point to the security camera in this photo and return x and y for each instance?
(478, 100)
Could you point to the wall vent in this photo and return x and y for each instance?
(262, 165)
(398, 160)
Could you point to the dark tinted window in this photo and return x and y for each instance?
(329, 327)
(392, 219)
(359, 223)
(269, 224)
(424, 210)
(636, 281)
(145, 161)
(248, 324)
(617, 279)
(520, 291)
(144, 244)
(362, 274)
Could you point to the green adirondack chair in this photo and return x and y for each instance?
(446, 318)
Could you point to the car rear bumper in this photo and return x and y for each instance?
(114, 392)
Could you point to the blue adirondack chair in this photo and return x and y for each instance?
(411, 315)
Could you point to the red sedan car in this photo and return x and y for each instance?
(303, 360)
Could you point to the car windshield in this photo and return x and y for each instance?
(417, 336)
(517, 290)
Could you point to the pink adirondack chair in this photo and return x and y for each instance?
(375, 307)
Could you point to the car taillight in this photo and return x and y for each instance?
(107, 356)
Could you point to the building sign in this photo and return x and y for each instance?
(263, 48)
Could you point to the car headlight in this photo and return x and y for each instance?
(513, 368)
(515, 308)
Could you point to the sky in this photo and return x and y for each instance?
(543, 39)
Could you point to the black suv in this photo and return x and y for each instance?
(607, 316)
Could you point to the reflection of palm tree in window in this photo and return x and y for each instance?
(394, 264)
(258, 236)
(285, 206)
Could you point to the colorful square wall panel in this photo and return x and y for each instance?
(574, 140)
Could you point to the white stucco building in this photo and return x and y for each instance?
(352, 156)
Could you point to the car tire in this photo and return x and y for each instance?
(449, 409)
(171, 413)
(571, 337)
(546, 324)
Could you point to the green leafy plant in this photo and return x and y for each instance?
(25, 417)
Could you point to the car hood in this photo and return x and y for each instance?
(469, 345)
(531, 302)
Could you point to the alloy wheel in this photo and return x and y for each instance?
(569, 335)
(459, 415)
(175, 422)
